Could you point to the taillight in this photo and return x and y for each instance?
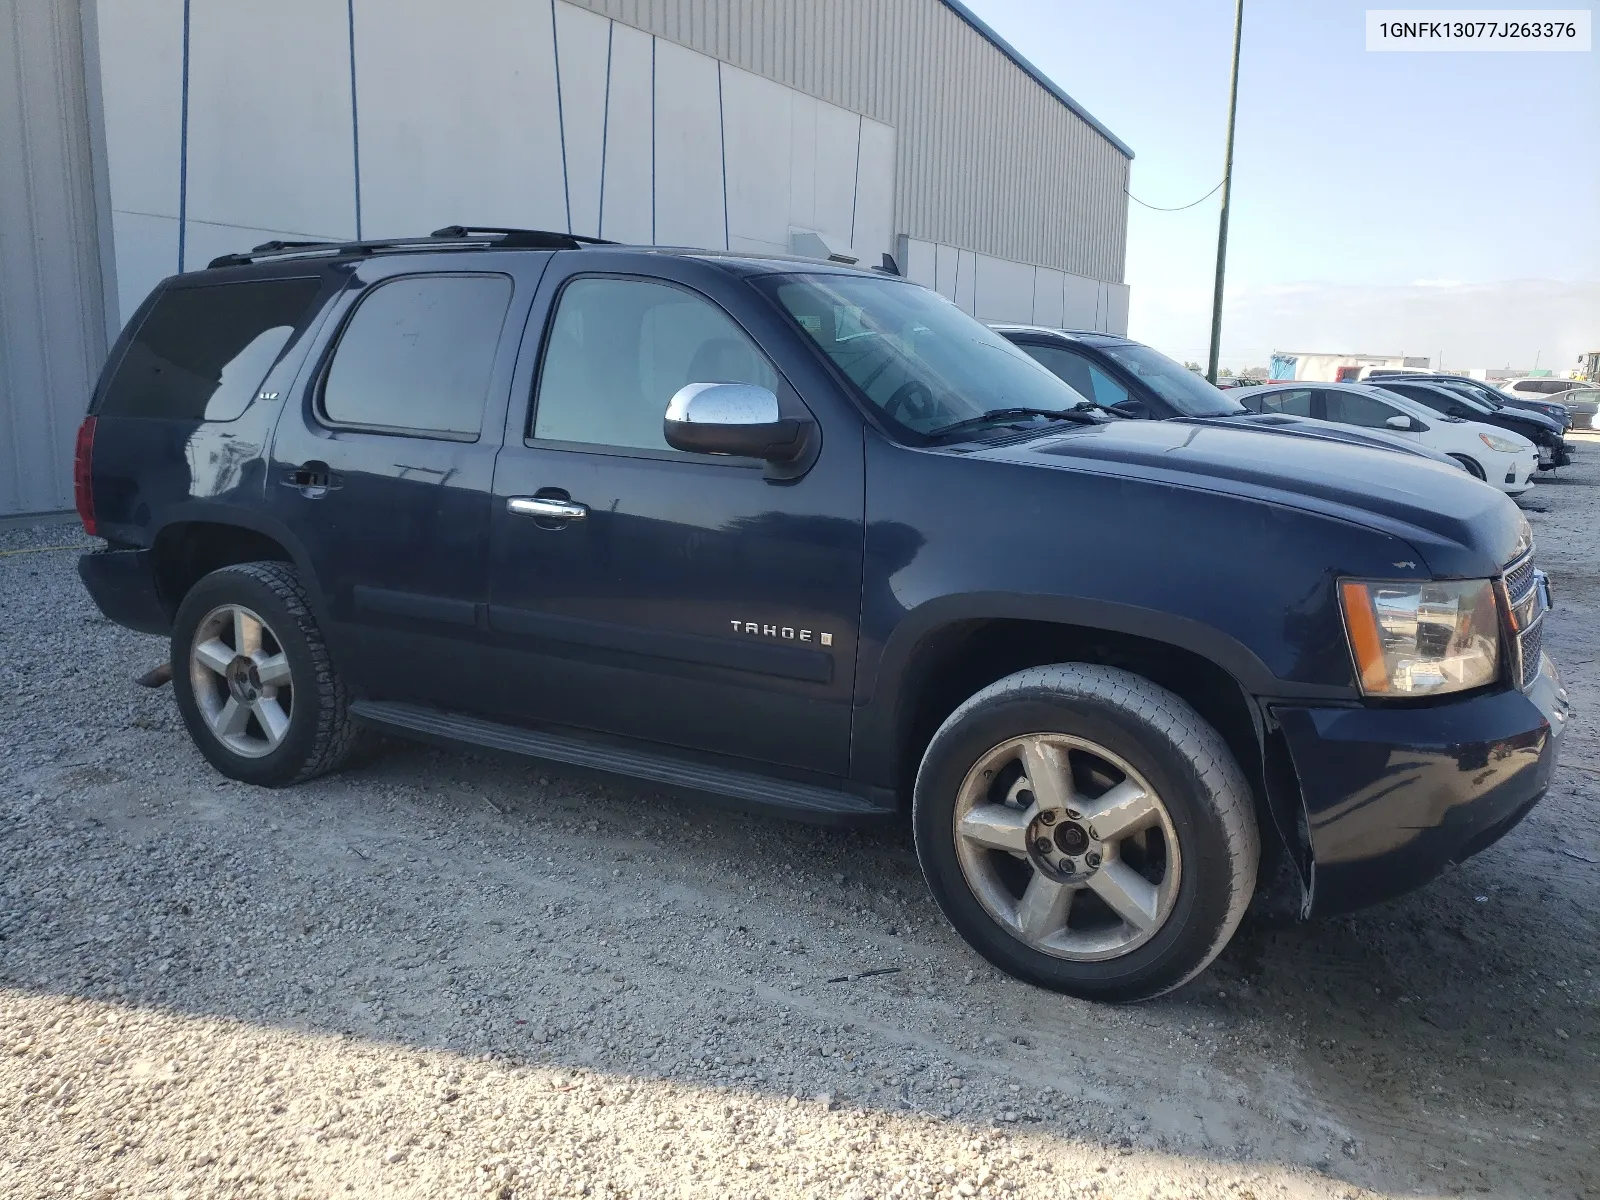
(83, 475)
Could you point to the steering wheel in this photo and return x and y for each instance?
(924, 405)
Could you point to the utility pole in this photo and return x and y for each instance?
(1227, 188)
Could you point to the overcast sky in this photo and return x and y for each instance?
(1383, 203)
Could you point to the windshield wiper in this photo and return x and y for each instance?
(1075, 413)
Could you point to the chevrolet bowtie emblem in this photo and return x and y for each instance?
(786, 633)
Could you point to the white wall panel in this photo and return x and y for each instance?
(874, 228)
(1004, 290)
(629, 180)
(1117, 308)
(947, 262)
(802, 160)
(689, 210)
(270, 127)
(917, 259)
(1047, 308)
(834, 181)
(582, 39)
(756, 123)
(147, 252)
(1080, 304)
(141, 77)
(966, 281)
(457, 114)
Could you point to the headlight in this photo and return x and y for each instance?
(1422, 639)
(1497, 443)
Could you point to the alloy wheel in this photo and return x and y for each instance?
(1067, 847)
(241, 681)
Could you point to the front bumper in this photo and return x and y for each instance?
(122, 584)
(1393, 795)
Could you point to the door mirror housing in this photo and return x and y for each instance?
(1136, 410)
(735, 418)
(1400, 422)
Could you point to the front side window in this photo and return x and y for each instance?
(1079, 373)
(1180, 387)
(201, 352)
(417, 354)
(1353, 408)
(619, 349)
(1296, 402)
(915, 357)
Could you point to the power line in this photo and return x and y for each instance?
(1179, 208)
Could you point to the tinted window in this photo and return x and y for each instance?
(914, 356)
(1439, 401)
(1294, 401)
(417, 354)
(202, 352)
(1082, 374)
(620, 348)
(1180, 387)
(1353, 408)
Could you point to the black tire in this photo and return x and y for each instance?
(1181, 756)
(320, 734)
(1471, 465)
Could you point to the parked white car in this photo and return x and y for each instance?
(1538, 387)
(1498, 456)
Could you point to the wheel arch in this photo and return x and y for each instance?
(925, 676)
(197, 541)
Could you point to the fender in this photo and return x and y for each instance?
(880, 683)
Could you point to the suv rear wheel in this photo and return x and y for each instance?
(253, 680)
(1087, 831)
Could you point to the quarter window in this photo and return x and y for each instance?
(620, 348)
(417, 355)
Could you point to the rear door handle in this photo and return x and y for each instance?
(546, 508)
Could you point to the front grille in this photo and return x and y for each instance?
(1519, 577)
(1531, 645)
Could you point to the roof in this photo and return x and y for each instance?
(1064, 334)
(1038, 76)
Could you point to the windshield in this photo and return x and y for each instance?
(1471, 393)
(1180, 387)
(916, 357)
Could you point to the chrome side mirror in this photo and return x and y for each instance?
(733, 418)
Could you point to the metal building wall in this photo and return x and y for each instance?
(52, 329)
(987, 159)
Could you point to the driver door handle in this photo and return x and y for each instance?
(546, 508)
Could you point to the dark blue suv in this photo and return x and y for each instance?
(810, 539)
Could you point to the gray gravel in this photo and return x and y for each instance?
(439, 975)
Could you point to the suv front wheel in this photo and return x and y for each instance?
(253, 679)
(1087, 831)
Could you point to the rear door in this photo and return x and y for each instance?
(690, 600)
(384, 458)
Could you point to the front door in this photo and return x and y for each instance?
(382, 468)
(685, 599)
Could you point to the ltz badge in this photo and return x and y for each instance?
(786, 633)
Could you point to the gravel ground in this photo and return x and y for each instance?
(439, 975)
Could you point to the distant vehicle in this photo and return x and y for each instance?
(1502, 458)
(1128, 379)
(1487, 393)
(1583, 405)
(1535, 386)
(1455, 400)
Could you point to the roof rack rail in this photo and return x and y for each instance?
(448, 237)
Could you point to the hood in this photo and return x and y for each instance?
(1330, 431)
(1534, 422)
(1461, 527)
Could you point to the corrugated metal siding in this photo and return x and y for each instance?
(52, 331)
(986, 157)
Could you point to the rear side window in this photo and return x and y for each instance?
(202, 352)
(417, 354)
(1295, 402)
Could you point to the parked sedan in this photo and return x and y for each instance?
(1124, 378)
(1498, 456)
(1454, 400)
(1484, 393)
